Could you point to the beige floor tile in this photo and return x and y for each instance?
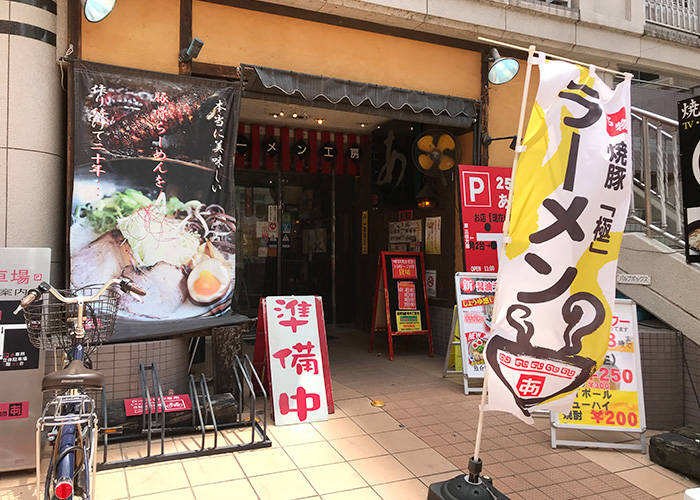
(145, 480)
(358, 406)
(378, 470)
(652, 482)
(313, 454)
(179, 494)
(439, 478)
(424, 462)
(411, 489)
(379, 422)
(288, 435)
(337, 413)
(338, 428)
(213, 469)
(638, 457)
(334, 478)
(354, 448)
(282, 486)
(239, 489)
(398, 441)
(360, 494)
(264, 461)
(110, 485)
(612, 460)
(343, 392)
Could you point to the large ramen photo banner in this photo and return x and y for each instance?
(152, 192)
(556, 278)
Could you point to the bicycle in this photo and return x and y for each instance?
(76, 321)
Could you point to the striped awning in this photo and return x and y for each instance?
(280, 85)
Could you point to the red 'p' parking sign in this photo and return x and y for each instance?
(483, 200)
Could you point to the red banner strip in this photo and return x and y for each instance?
(298, 163)
(255, 146)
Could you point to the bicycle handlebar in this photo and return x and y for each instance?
(125, 284)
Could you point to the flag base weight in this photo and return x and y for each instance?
(466, 487)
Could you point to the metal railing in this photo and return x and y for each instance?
(655, 206)
(561, 3)
(681, 15)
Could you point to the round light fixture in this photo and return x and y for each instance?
(96, 10)
(503, 69)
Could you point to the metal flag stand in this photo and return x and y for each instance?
(472, 486)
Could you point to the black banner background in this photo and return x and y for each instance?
(155, 134)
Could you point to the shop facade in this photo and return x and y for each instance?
(330, 114)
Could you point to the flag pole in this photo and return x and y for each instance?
(506, 227)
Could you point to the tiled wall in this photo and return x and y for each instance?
(120, 365)
(692, 390)
(662, 375)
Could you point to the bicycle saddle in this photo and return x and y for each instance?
(73, 376)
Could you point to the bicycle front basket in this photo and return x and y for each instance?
(50, 322)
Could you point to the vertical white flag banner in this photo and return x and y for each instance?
(556, 278)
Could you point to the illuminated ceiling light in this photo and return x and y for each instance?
(295, 115)
(363, 125)
(96, 10)
(503, 69)
(320, 120)
(281, 113)
(275, 115)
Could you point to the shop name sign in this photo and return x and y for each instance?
(634, 279)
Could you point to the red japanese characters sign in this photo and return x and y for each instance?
(297, 359)
(484, 198)
(176, 402)
(9, 411)
(407, 295)
(404, 268)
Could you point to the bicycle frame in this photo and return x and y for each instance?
(69, 418)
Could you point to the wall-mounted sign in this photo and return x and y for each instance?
(483, 193)
(410, 231)
(365, 232)
(689, 145)
(433, 233)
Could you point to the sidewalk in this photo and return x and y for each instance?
(424, 434)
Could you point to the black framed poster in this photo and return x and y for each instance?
(689, 145)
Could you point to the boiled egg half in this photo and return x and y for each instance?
(208, 281)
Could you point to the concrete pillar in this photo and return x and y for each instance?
(32, 128)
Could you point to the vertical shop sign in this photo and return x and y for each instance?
(365, 232)
(556, 278)
(152, 193)
(433, 231)
(297, 357)
(483, 201)
(689, 144)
